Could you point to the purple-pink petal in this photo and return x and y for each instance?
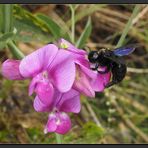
(72, 48)
(89, 72)
(63, 124)
(45, 92)
(62, 71)
(39, 106)
(69, 102)
(58, 122)
(51, 125)
(100, 81)
(10, 70)
(34, 83)
(38, 61)
(83, 83)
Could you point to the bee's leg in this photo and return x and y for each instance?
(95, 67)
(106, 70)
(111, 83)
(114, 80)
(118, 74)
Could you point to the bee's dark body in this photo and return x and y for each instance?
(113, 63)
(118, 72)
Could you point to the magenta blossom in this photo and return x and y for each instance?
(87, 81)
(48, 68)
(58, 76)
(58, 120)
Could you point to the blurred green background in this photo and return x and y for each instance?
(117, 115)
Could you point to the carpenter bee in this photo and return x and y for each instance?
(113, 61)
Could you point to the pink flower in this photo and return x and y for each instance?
(58, 120)
(58, 76)
(86, 81)
(48, 68)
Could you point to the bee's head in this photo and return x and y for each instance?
(93, 56)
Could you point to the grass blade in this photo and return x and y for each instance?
(128, 26)
(91, 9)
(85, 34)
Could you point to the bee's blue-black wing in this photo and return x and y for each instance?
(123, 51)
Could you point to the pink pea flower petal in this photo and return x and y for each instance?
(89, 72)
(62, 71)
(37, 61)
(51, 125)
(64, 125)
(45, 92)
(58, 122)
(70, 102)
(10, 70)
(100, 81)
(34, 83)
(39, 106)
(80, 60)
(83, 83)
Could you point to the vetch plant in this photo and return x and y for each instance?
(59, 74)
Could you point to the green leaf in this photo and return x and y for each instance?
(55, 29)
(85, 34)
(92, 131)
(28, 32)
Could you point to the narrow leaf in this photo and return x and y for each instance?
(85, 34)
(128, 26)
(55, 29)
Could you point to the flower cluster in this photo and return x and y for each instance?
(58, 73)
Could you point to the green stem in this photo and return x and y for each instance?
(58, 138)
(15, 51)
(7, 17)
(7, 27)
(128, 26)
(73, 24)
(1, 18)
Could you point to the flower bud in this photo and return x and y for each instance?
(10, 70)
